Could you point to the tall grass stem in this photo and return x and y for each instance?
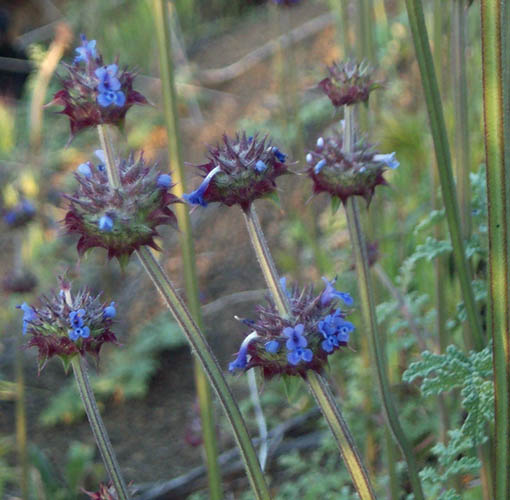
(443, 161)
(164, 39)
(98, 428)
(498, 184)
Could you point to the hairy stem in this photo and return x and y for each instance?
(204, 353)
(106, 144)
(98, 428)
(498, 180)
(443, 161)
(186, 240)
(370, 320)
(316, 384)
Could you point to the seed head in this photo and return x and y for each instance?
(293, 346)
(239, 171)
(343, 174)
(124, 219)
(67, 325)
(348, 83)
(93, 93)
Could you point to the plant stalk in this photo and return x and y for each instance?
(202, 349)
(443, 161)
(98, 428)
(161, 20)
(498, 181)
(21, 423)
(316, 384)
(370, 320)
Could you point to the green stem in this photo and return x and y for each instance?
(185, 236)
(498, 180)
(21, 423)
(318, 387)
(340, 431)
(370, 320)
(106, 144)
(443, 160)
(98, 428)
(463, 162)
(203, 351)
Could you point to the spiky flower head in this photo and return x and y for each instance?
(67, 325)
(283, 346)
(19, 215)
(343, 174)
(124, 219)
(348, 83)
(105, 492)
(93, 93)
(239, 171)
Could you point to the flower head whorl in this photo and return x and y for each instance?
(281, 346)
(67, 325)
(124, 219)
(94, 93)
(239, 171)
(348, 83)
(343, 174)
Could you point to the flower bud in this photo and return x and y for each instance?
(93, 93)
(283, 346)
(239, 171)
(348, 83)
(120, 220)
(343, 174)
(67, 325)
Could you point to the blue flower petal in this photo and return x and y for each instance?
(273, 346)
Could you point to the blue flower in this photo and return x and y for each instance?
(272, 347)
(105, 223)
(87, 51)
(335, 330)
(75, 318)
(309, 158)
(110, 311)
(283, 284)
(281, 157)
(260, 166)
(196, 197)
(76, 333)
(109, 87)
(330, 293)
(84, 169)
(388, 159)
(319, 166)
(242, 356)
(295, 356)
(102, 158)
(28, 315)
(295, 337)
(164, 181)
(320, 142)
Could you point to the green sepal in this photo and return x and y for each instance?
(123, 261)
(274, 197)
(335, 204)
(292, 388)
(66, 361)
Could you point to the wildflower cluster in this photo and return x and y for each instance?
(238, 172)
(343, 174)
(348, 83)
(20, 214)
(291, 346)
(67, 325)
(120, 220)
(94, 93)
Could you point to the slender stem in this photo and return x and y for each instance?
(443, 160)
(203, 351)
(259, 417)
(164, 38)
(498, 180)
(21, 423)
(265, 260)
(319, 389)
(98, 428)
(106, 144)
(460, 100)
(343, 437)
(370, 320)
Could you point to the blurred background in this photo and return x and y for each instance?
(250, 65)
